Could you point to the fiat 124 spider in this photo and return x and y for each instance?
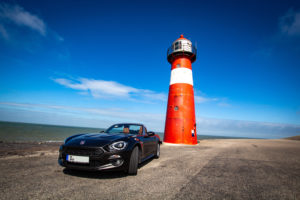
(120, 147)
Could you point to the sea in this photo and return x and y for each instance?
(27, 132)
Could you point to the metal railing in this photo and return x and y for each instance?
(185, 48)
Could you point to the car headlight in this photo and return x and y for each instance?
(120, 145)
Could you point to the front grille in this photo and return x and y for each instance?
(83, 151)
(92, 163)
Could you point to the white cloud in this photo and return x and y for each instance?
(21, 17)
(289, 24)
(110, 89)
(58, 37)
(224, 104)
(14, 19)
(4, 33)
(285, 38)
(151, 95)
(201, 99)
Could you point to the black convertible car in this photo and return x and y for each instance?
(120, 147)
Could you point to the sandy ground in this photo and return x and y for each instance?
(213, 169)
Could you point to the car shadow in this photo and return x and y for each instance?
(141, 165)
(101, 174)
(95, 174)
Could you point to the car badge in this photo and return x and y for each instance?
(82, 142)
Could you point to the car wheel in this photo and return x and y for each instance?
(133, 162)
(157, 151)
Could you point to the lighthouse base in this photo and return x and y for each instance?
(175, 144)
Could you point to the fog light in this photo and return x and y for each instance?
(114, 156)
(117, 162)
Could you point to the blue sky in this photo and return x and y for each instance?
(94, 63)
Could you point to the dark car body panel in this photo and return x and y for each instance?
(96, 139)
(95, 146)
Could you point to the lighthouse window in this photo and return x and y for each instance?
(177, 45)
(176, 108)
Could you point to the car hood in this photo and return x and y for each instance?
(96, 139)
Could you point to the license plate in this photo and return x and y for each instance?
(78, 159)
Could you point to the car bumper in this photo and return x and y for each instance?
(99, 158)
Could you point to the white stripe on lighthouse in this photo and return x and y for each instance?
(181, 75)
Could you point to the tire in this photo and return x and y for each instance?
(157, 151)
(133, 162)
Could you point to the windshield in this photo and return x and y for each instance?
(126, 128)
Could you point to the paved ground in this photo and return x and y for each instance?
(214, 169)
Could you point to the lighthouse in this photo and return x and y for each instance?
(180, 126)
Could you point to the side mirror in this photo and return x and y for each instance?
(101, 131)
(150, 133)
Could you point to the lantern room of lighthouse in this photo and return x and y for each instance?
(184, 47)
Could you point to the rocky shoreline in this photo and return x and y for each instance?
(27, 148)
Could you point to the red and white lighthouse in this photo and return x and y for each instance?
(180, 127)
